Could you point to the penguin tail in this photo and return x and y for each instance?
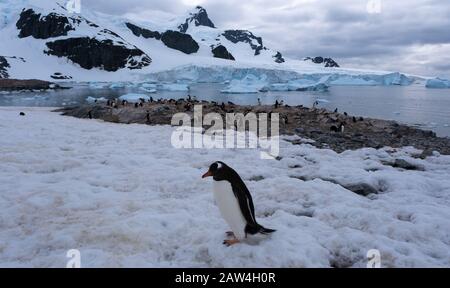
(265, 231)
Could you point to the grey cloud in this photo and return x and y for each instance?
(341, 29)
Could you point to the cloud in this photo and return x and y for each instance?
(405, 36)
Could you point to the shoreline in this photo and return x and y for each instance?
(311, 123)
(12, 85)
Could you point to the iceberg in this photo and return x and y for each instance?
(117, 86)
(438, 83)
(301, 85)
(91, 99)
(96, 85)
(148, 90)
(148, 86)
(174, 87)
(134, 98)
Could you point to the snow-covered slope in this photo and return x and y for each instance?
(65, 185)
(54, 44)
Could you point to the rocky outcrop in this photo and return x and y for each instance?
(103, 54)
(4, 65)
(52, 25)
(15, 85)
(326, 62)
(199, 18)
(60, 76)
(142, 32)
(222, 52)
(180, 41)
(279, 58)
(245, 36)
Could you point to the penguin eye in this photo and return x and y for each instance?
(214, 167)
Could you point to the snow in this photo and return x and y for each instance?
(123, 197)
(134, 97)
(438, 83)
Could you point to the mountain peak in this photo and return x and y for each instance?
(199, 17)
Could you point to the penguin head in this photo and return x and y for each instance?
(217, 170)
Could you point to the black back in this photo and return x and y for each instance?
(241, 192)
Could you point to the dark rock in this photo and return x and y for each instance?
(59, 76)
(138, 31)
(199, 18)
(33, 24)
(21, 114)
(362, 189)
(245, 36)
(15, 84)
(279, 58)
(180, 41)
(104, 54)
(327, 62)
(4, 65)
(222, 52)
(403, 164)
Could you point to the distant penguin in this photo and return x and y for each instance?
(336, 110)
(136, 105)
(282, 103)
(235, 203)
(342, 128)
(361, 119)
(189, 97)
(108, 103)
(259, 102)
(90, 114)
(151, 99)
(315, 104)
(222, 106)
(147, 117)
(345, 113)
(21, 114)
(354, 119)
(276, 104)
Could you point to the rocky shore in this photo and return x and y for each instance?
(320, 125)
(16, 85)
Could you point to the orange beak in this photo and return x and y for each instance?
(207, 174)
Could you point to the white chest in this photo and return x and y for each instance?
(229, 207)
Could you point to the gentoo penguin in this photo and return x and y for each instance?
(235, 203)
(259, 102)
(315, 104)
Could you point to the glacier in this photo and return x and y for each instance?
(241, 79)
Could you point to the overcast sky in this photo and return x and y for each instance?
(406, 35)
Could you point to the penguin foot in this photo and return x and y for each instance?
(231, 242)
(230, 234)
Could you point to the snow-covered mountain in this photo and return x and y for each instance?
(43, 39)
(51, 42)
